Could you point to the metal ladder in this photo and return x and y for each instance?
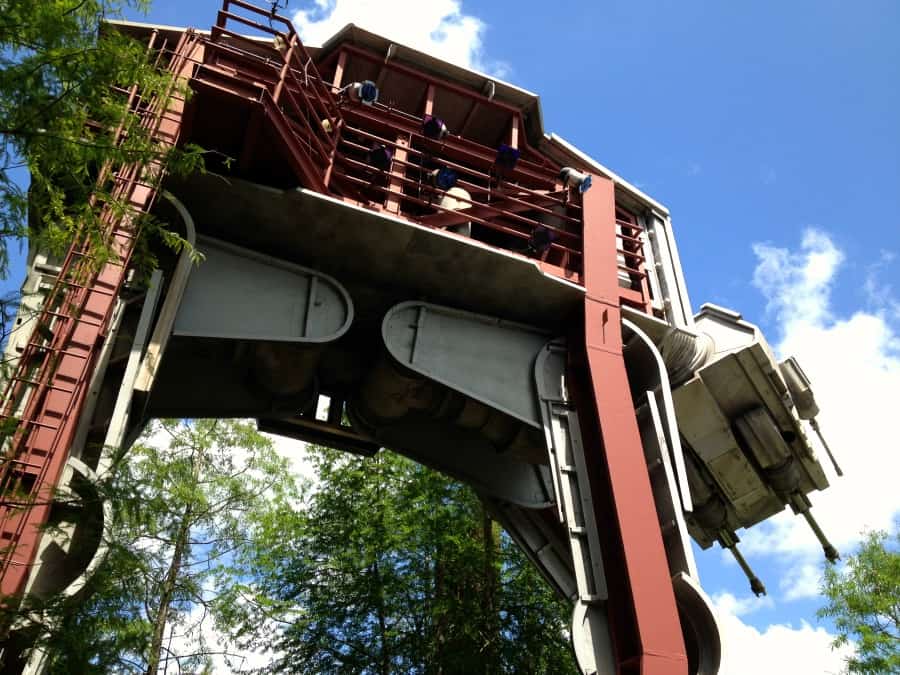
(290, 92)
(43, 397)
(575, 509)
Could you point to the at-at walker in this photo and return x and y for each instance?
(400, 236)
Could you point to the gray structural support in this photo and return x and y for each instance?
(483, 357)
(488, 424)
(166, 319)
(246, 338)
(575, 509)
(519, 371)
(238, 294)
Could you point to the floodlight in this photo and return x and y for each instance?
(365, 92)
(575, 178)
(540, 240)
(380, 156)
(507, 156)
(434, 127)
(443, 178)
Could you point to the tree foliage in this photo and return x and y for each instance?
(64, 82)
(382, 567)
(182, 497)
(864, 603)
(390, 567)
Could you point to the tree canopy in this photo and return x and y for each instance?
(181, 499)
(390, 567)
(64, 85)
(864, 603)
(382, 566)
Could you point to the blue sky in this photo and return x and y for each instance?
(771, 132)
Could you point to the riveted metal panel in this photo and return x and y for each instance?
(483, 357)
(239, 294)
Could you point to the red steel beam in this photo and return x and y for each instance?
(504, 207)
(646, 630)
(453, 147)
(430, 79)
(81, 304)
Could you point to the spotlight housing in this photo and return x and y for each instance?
(575, 178)
(380, 157)
(365, 92)
(443, 178)
(507, 156)
(540, 240)
(434, 127)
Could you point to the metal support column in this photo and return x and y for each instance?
(645, 627)
(576, 512)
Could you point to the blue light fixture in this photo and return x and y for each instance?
(507, 156)
(380, 156)
(444, 178)
(574, 178)
(434, 127)
(540, 240)
(365, 92)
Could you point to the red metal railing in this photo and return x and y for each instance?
(47, 391)
(633, 280)
(329, 155)
(328, 138)
(512, 211)
(295, 98)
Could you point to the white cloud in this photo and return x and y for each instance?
(853, 361)
(780, 648)
(726, 603)
(295, 452)
(438, 27)
(797, 285)
(854, 365)
(879, 293)
(802, 581)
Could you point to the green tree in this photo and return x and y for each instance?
(864, 603)
(389, 567)
(182, 497)
(64, 85)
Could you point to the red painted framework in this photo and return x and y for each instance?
(46, 393)
(597, 245)
(296, 99)
(647, 634)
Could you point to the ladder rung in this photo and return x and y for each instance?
(39, 424)
(629, 223)
(92, 289)
(632, 270)
(64, 352)
(635, 240)
(36, 383)
(22, 470)
(631, 254)
(80, 320)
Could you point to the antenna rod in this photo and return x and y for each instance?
(729, 541)
(815, 425)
